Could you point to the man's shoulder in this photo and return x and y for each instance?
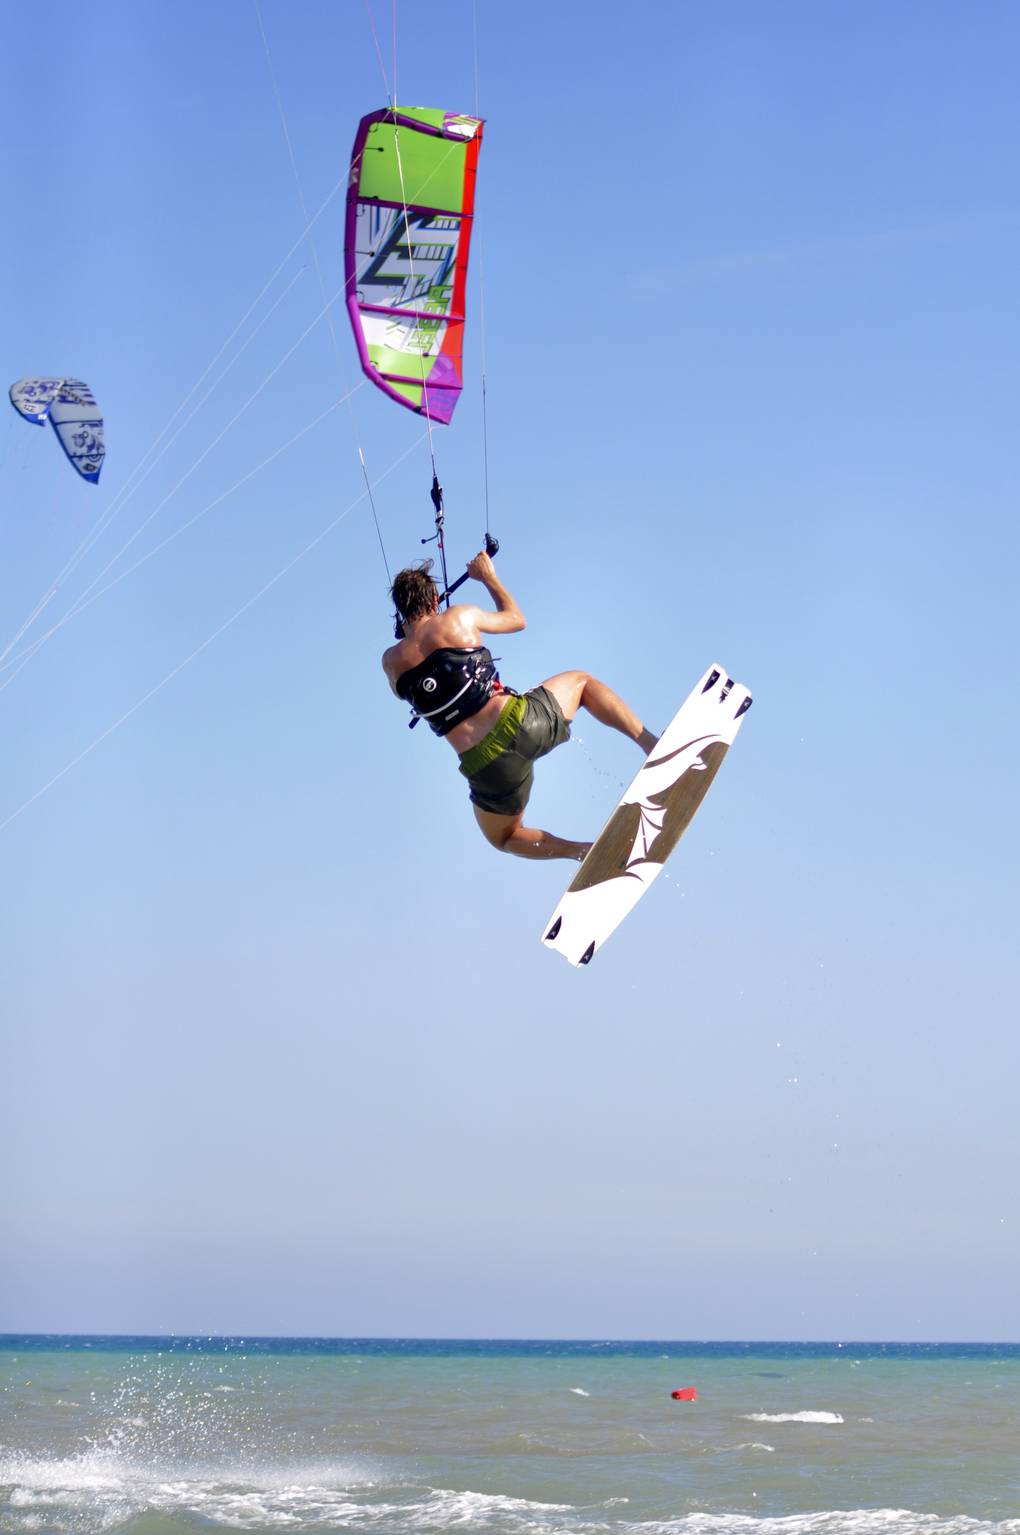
(460, 627)
(391, 658)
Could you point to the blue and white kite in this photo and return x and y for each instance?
(71, 409)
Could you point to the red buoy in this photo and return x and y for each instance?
(685, 1394)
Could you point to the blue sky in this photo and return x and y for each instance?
(284, 1053)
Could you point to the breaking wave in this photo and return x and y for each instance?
(96, 1493)
(792, 1417)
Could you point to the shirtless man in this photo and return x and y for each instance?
(444, 671)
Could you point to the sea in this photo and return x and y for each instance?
(175, 1436)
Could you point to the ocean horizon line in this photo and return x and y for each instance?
(473, 1342)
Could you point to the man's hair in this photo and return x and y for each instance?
(414, 592)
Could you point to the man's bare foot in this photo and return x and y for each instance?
(647, 741)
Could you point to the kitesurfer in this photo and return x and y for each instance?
(443, 670)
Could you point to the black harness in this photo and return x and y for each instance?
(449, 686)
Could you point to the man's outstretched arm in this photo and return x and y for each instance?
(508, 618)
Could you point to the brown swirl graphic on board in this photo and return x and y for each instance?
(645, 830)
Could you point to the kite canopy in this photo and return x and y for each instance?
(410, 203)
(71, 410)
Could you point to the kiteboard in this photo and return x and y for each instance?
(650, 819)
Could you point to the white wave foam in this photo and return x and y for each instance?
(792, 1417)
(856, 1521)
(579, 1391)
(96, 1491)
(731, 1449)
(96, 1494)
(474, 1507)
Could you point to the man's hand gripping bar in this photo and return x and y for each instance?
(491, 549)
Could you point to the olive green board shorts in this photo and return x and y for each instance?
(499, 770)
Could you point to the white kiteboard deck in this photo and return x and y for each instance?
(650, 819)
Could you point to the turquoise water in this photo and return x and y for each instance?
(157, 1436)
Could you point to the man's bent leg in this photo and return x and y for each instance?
(574, 690)
(506, 833)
